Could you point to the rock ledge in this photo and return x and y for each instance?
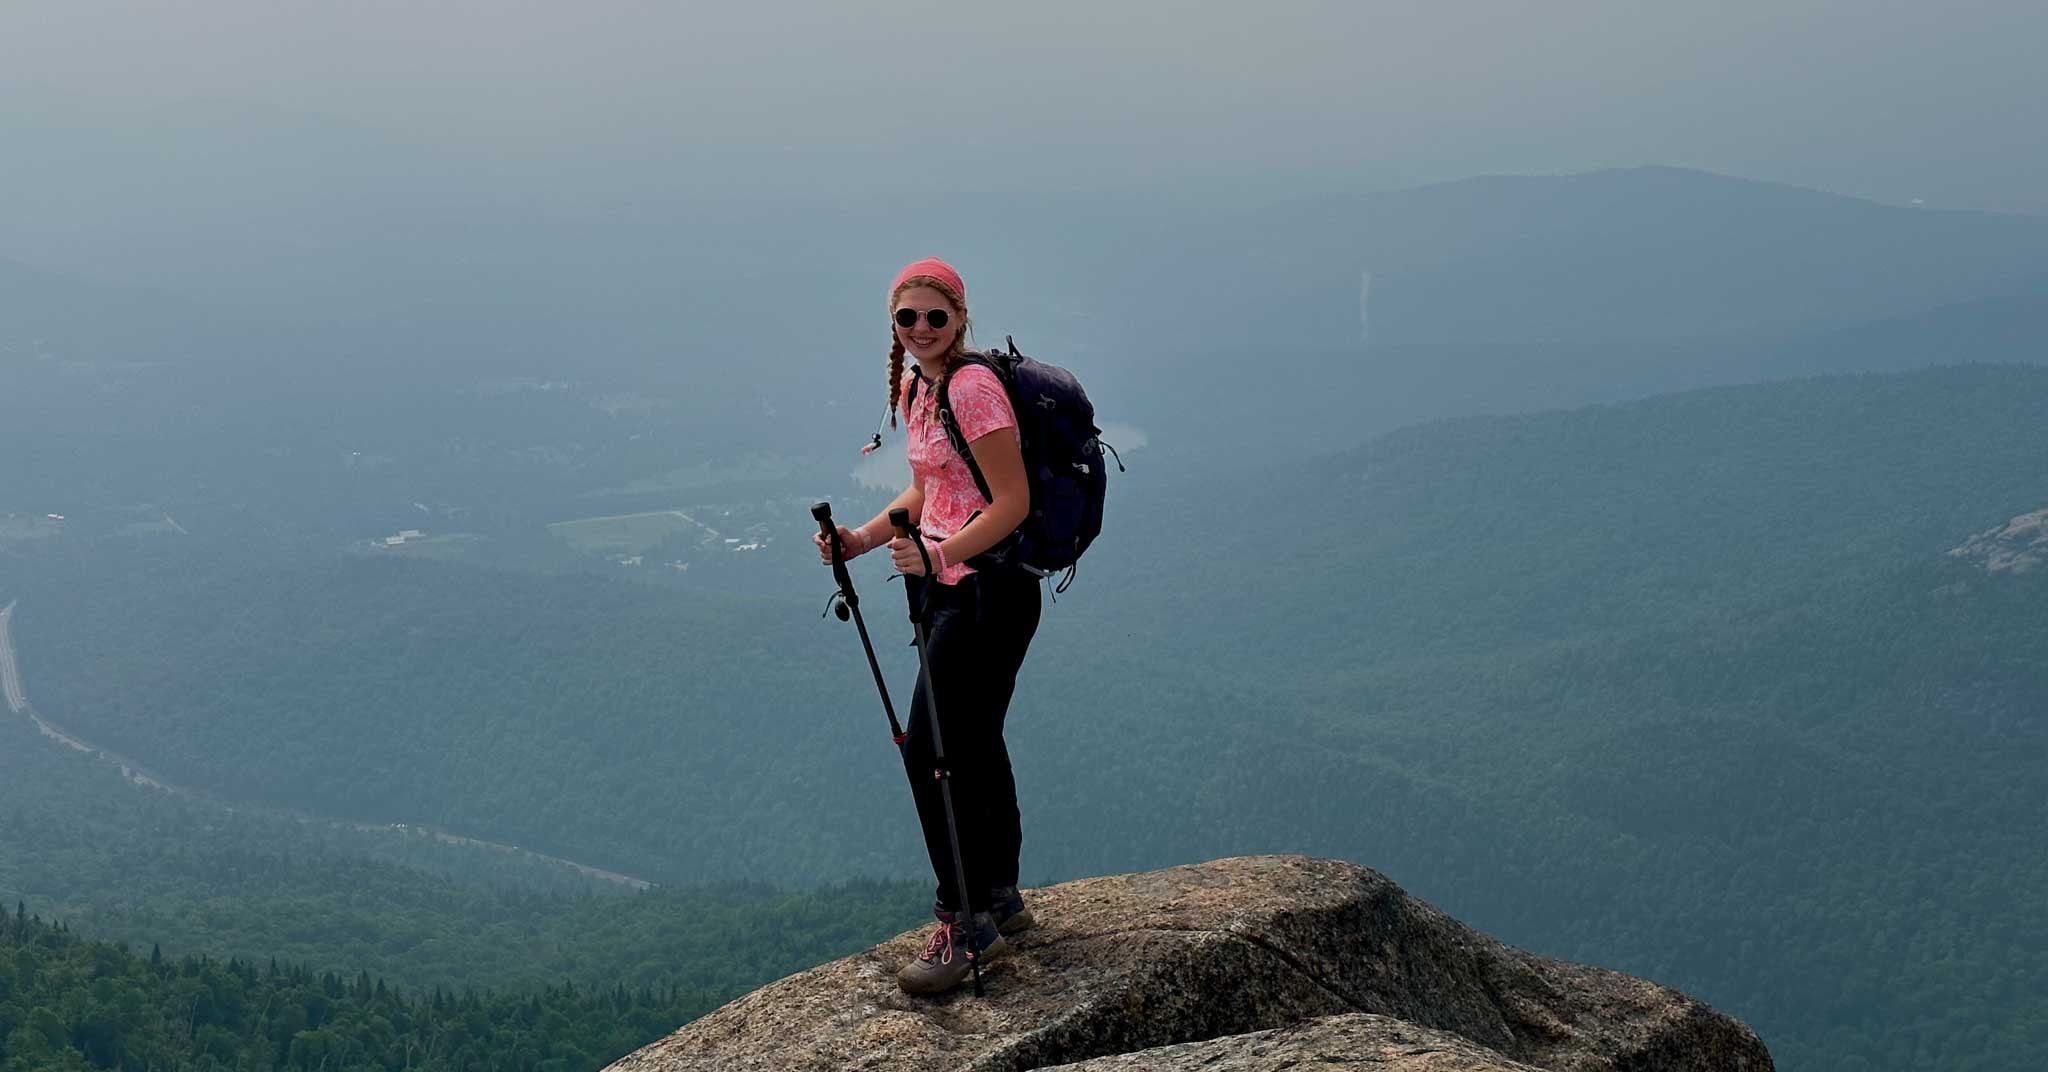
(1263, 962)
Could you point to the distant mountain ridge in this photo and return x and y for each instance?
(1640, 253)
(1360, 392)
(422, 249)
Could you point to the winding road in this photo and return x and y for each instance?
(17, 703)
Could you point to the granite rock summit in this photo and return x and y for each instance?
(1266, 962)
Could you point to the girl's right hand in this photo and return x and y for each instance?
(850, 543)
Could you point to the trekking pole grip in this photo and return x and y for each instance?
(846, 600)
(823, 513)
(906, 531)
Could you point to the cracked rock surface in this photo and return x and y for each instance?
(1224, 954)
(1358, 1040)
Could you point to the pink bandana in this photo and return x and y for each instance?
(937, 269)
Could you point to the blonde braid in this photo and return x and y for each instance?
(895, 374)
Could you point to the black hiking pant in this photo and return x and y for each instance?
(978, 631)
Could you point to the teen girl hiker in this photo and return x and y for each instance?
(981, 621)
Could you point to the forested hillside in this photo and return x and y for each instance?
(120, 862)
(623, 727)
(1688, 687)
(1682, 686)
(1331, 398)
(70, 1003)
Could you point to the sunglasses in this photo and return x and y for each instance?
(937, 318)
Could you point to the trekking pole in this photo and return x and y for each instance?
(846, 603)
(941, 773)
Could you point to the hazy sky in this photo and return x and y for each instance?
(1896, 101)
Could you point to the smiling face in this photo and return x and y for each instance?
(920, 339)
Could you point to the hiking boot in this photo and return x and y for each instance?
(1007, 909)
(943, 964)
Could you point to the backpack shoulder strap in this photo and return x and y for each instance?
(953, 426)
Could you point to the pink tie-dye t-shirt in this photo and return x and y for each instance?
(980, 406)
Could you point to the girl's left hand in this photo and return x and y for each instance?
(908, 561)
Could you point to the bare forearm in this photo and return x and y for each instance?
(988, 528)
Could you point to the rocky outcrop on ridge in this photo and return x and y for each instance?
(1265, 962)
(2018, 545)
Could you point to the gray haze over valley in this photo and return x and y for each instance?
(641, 99)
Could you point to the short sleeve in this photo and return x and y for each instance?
(980, 405)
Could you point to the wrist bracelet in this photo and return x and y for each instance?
(939, 551)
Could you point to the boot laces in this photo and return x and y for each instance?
(940, 946)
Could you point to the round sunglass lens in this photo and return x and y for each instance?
(907, 318)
